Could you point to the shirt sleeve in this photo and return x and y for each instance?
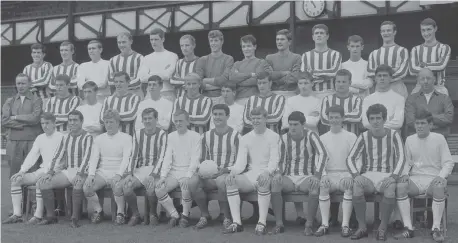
(355, 115)
(274, 150)
(324, 109)
(447, 162)
(410, 111)
(371, 65)
(135, 157)
(246, 113)
(88, 153)
(195, 156)
(312, 121)
(364, 119)
(131, 114)
(282, 166)
(396, 119)
(321, 155)
(31, 157)
(224, 77)
(94, 161)
(403, 69)
(415, 66)
(34, 117)
(242, 155)
(205, 115)
(58, 155)
(167, 73)
(443, 59)
(74, 103)
(176, 79)
(288, 111)
(276, 116)
(144, 71)
(162, 149)
(335, 66)
(354, 155)
(166, 116)
(204, 150)
(126, 154)
(135, 82)
(446, 118)
(167, 162)
(46, 78)
(399, 153)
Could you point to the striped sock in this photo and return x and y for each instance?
(438, 208)
(40, 204)
(167, 203)
(325, 207)
(404, 210)
(264, 202)
(233, 198)
(16, 198)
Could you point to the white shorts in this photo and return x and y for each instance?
(38, 173)
(70, 173)
(335, 179)
(376, 178)
(423, 182)
(142, 173)
(253, 175)
(107, 175)
(297, 180)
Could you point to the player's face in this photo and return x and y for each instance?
(94, 51)
(48, 126)
(120, 84)
(423, 127)
(305, 86)
(282, 42)
(74, 123)
(295, 127)
(22, 85)
(248, 49)
(149, 121)
(383, 80)
(258, 121)
(387, 32)
(426, 79)
(342, 84)
(376, 120)
(215, 44)
(219, 117)
(90, 95)
(181, 123)
(61, 87)
(111, 125)
(355, 48)
(66, 52)
(187, 47)
(37, 55)
(335, 119)
(124, 44)
(264, 85)
(228, 95)
(156, 41)
(320, 36)
(428, 32)
(154, 86)
(192, 87)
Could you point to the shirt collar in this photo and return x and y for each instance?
(28, 95)
(421, 93)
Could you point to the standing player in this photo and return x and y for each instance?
(40, 72)
(62, 103)
(357, 66)
(160, 62)
(383, 161)
(91, 110)
(431, 54)
(430, 164)
(186, 65)
(259, 150)
(302, 161)
(112, 151)
(393, 55)
(235, 120)
(44, 146)
(214, 68)
(124, 102)
(67, 67)
(180, 163)
(322, 62)
(285, 64)
(196, 105)
(273, 103)
(73, 154)
(95, 70)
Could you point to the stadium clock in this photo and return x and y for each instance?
(313, 8)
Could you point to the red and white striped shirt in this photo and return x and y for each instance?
(353, 107)
(199, 110)
(379, 154)
(129, 64)
(148, 150)
(395, 56)
(221, 148)
(307, 156)
(61, 107)
(274, 105)
(323, 66)
(435, 57)
(41, 77)
(69, 70)
(182, 69)
(127, 107)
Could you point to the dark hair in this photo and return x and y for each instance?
(424, 114)
(122, 74)
(22, 75)
(216, 34)
(263, 75)
(189, 37)
(91, 84)
(389, 23)
(157, 31)
(286, 33)
(344, 72)
(156, 78)
(355, 38)
(48, 116)
(384, 68)
(376, 109)
(149, 111)
(258, 111)
(99, 44)
(429, 21)
(38, 46)
(297, 116)
(222, 107)
(76, 113)
(305, 75)
(68, 43)
(248, 38)
(231, 86)
(336, 109)
(111, 114)
(63, 77)
(320, 26)
(179, 112)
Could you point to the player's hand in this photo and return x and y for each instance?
(184, 184)
(77, 180)
(115, 180)
(149, 182)
(277, 180)
(44, 179)
(359, 180)
(347, 183)
(221, 171)
(439, 181)
(315, 114)
(387, 182)
(160, 182)
(263, 178)
(17, 177)
(403, 179)
(230, 180)
(314, 182)
(325, 182)
(129, 180)
(89, 181)
(284, 73)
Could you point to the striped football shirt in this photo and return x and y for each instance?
(395, 56)
(353, 107)
(148, 150)
(182, 69)
(274, 105)
(199, 110)
(221, 148)
(323, 66)
(129, 64)
(435, 57)
(127, 107)
(41, 77)
(61, 107)
(69, 70)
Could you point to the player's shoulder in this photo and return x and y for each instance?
(437, 137)
(271, 56)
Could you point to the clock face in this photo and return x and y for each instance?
(313, 8)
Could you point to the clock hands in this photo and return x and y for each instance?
(313, 3)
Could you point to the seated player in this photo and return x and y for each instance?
(220, 144)
(73, 154)
(112, 152)
(383, 161)
(302, 161)
(431, 163)
(259, 149)
(180, 163)
(149, 144)
(338, 143)
(45, 145)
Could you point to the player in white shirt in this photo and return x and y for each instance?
(45, 145)
(162, 105)
(95, 70)
(112, 151)
(430, 163)
(67, 67)
(186, 65)
(40, 72)
(91, 110)
(235, 120)
(161, 62)
(360, 83)
(259, 150)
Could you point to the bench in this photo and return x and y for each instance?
(31, 197)
(425, 208)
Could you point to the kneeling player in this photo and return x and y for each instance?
(431, 163)
(77, 149)
(112, 151)
(260, 150)
(302, 161)
(338, 143)
(148, 153)
(382, 155)
(180, 163)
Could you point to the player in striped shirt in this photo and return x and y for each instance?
(431, 54)
(62, 103)
(393, 55)
(322, 62)
(149, 145)
(128, 61)
(124, 102)
(40, 72)
(72, 155)
(186, 65)
(274, 105)
(383, 161)
(220, 145)
(352, 104)
(195, 104)
(67, 67)
(302, 161)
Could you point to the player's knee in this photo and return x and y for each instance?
(439, 191)
(88, 191)
(150, 192)
(221, 184)
(231, 182)
(127, 190)
(390, 191)
(193, 183)
(346, 184)
(402, 189)
(160, 192)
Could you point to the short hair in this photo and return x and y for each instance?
(320, 26)
(23, 75)
(231, 86)
(192, 76)
(376, 109)
(387, 22)
(305, 75)
(91, 84)
(38, 46)
(111, 114)
(68, 43)
(189, 37)
(48, 116)
(216, 34)
(76, 113)
(122, 74)
(63, 77)
(258, 111)
(424, 114)
(149, 111)
(286, 33)
(384, 68)
(355, 38)
(263, 75)
(157, 31)
(99, 44)
(429, 21)
(344, 72)
(297, 116)
(224, 107)
(336, 109)
(179, 112)
(156, 78)
(248, 38)
(126, 34)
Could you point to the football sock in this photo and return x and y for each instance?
(77, 201)
(40, 206)
(325, 207)
(16, 198)
(359, 204)
(120, 203)
(334, 211)
(152, 200)
(299, 209)
(264, 202)
(224, 207)
(131, 199)
(48, 199)
(277, 206)
(312, 208)
(386, 208)
(404, 210)
(186, 201)
(167, 203)
(201, 200)
(438, 207)
(347, 207)
(233, 198)
(94, 202)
